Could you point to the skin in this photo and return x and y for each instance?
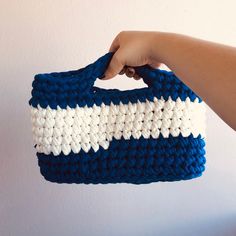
(208, 68)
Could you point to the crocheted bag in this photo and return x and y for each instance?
(85, 134)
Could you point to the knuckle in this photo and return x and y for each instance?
(121, 33)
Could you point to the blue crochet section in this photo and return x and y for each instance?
(73, 88)
(133, 161)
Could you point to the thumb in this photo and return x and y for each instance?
(115, 66)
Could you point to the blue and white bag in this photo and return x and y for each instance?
(85, 134)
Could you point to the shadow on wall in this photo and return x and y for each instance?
(217, 226)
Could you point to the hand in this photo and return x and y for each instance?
(208, 68)
(131, 48)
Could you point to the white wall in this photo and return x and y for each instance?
(47, 35)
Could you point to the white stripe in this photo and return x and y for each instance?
(66, 130)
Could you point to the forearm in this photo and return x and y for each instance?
(207, 68)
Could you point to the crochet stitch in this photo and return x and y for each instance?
(85, 134)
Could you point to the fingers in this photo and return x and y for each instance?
(137, 77)
(130, 72)
(115, 67)
(155, 65)
(122, 71)
(117, 64)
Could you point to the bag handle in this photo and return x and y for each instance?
(98, 68)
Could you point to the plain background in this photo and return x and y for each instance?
(45, 36)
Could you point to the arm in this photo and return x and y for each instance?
(209, 69)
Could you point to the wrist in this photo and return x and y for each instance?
(160, 46)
